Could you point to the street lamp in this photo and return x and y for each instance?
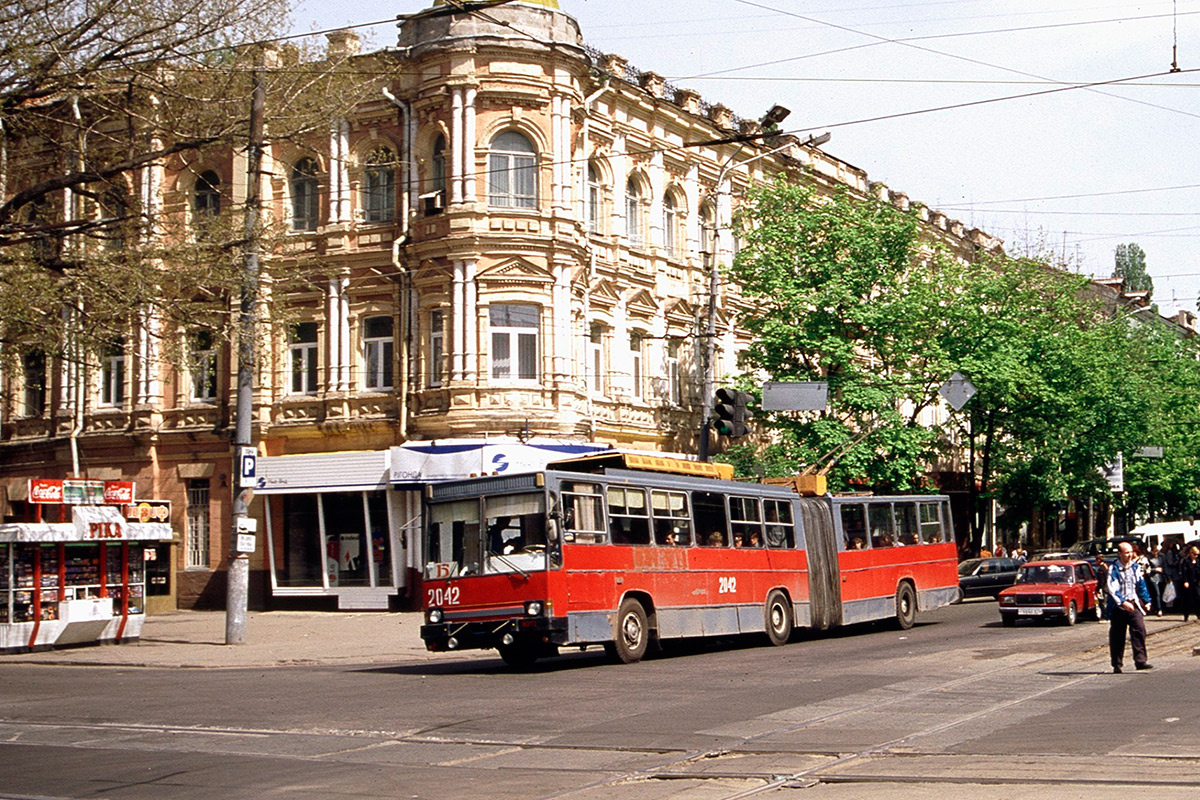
(714, 273)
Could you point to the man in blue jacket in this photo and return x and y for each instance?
(1128, 598)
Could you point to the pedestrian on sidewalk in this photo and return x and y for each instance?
(1189, 579)
(1127, 602)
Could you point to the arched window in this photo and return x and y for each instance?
(206, 196)
(304, 195)
(708, 219)
(437, 177)
(594, 198)
(379, 186)
(672, 224)
(512, 172)
(635, 220)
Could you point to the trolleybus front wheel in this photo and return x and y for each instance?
(906, 606)
(631, 633)
(779, 618)
(518, 655)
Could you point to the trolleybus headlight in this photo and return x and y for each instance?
(434, 616)
(533, 608)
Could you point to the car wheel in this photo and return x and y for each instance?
(1008, 619)
(1072, 613)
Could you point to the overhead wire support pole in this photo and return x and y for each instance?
(238, 589)
(714, 282)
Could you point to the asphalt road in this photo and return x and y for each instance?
(958, 704)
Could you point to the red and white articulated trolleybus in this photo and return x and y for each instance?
(610, 550)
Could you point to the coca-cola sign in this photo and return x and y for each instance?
(42, 490)
(118, 493)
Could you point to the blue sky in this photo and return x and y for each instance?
(1077, 171)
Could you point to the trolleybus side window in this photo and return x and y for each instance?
(746, 522)
(628, 515)
(672, 522)
(583, 513)
(931, 525)
(879, 517)
(453, 540)
(906, 523)
(854, 527)
(781, 531)
(708, 511)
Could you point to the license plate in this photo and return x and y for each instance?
(1029, 612)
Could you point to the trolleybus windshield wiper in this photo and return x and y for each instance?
(524, 574)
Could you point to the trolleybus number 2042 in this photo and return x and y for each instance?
(573, 556)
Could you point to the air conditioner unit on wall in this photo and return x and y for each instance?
(433, 202)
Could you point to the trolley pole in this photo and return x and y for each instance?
(237, 597)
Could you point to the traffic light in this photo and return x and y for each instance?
(729, 412)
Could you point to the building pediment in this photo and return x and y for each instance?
(680, 310)
(604, 293)
(641, 301)
(516, 270)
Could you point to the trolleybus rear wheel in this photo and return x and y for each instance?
(779, 618)
(631, 633)
(906, 606)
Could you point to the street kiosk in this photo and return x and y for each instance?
(77, 582)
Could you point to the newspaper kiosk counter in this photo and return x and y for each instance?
(79, 582)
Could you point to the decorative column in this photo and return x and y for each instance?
(469, 144)
(456, 145)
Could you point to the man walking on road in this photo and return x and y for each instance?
(1128, 598)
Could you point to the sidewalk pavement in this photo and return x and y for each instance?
(273, 639)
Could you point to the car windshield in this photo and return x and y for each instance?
(968, 566)
(1044, 573)
(511, 538)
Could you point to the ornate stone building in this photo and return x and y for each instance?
(512, 241)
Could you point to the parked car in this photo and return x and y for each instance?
(985, 577)
(1059, 590)
(1091, 549)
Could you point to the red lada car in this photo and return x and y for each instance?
(1061, 589)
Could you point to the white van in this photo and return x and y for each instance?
(1155, 533)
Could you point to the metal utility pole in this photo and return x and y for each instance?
(236, 600)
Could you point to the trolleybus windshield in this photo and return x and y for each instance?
(511, 538)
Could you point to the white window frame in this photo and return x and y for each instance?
(671, 219)
(303, 365)
(305, 187)
(507, 164)
(112, 376)
(202, 368)
(513, 340)
(378, 355)
(594, 197)
(635, 217)
(674, 378)
(437, 346)
(596, 359)
(379, 186)
(637, 377)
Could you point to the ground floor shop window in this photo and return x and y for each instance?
(344, 535)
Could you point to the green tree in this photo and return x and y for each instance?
(1131, 265)
(844, 289)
